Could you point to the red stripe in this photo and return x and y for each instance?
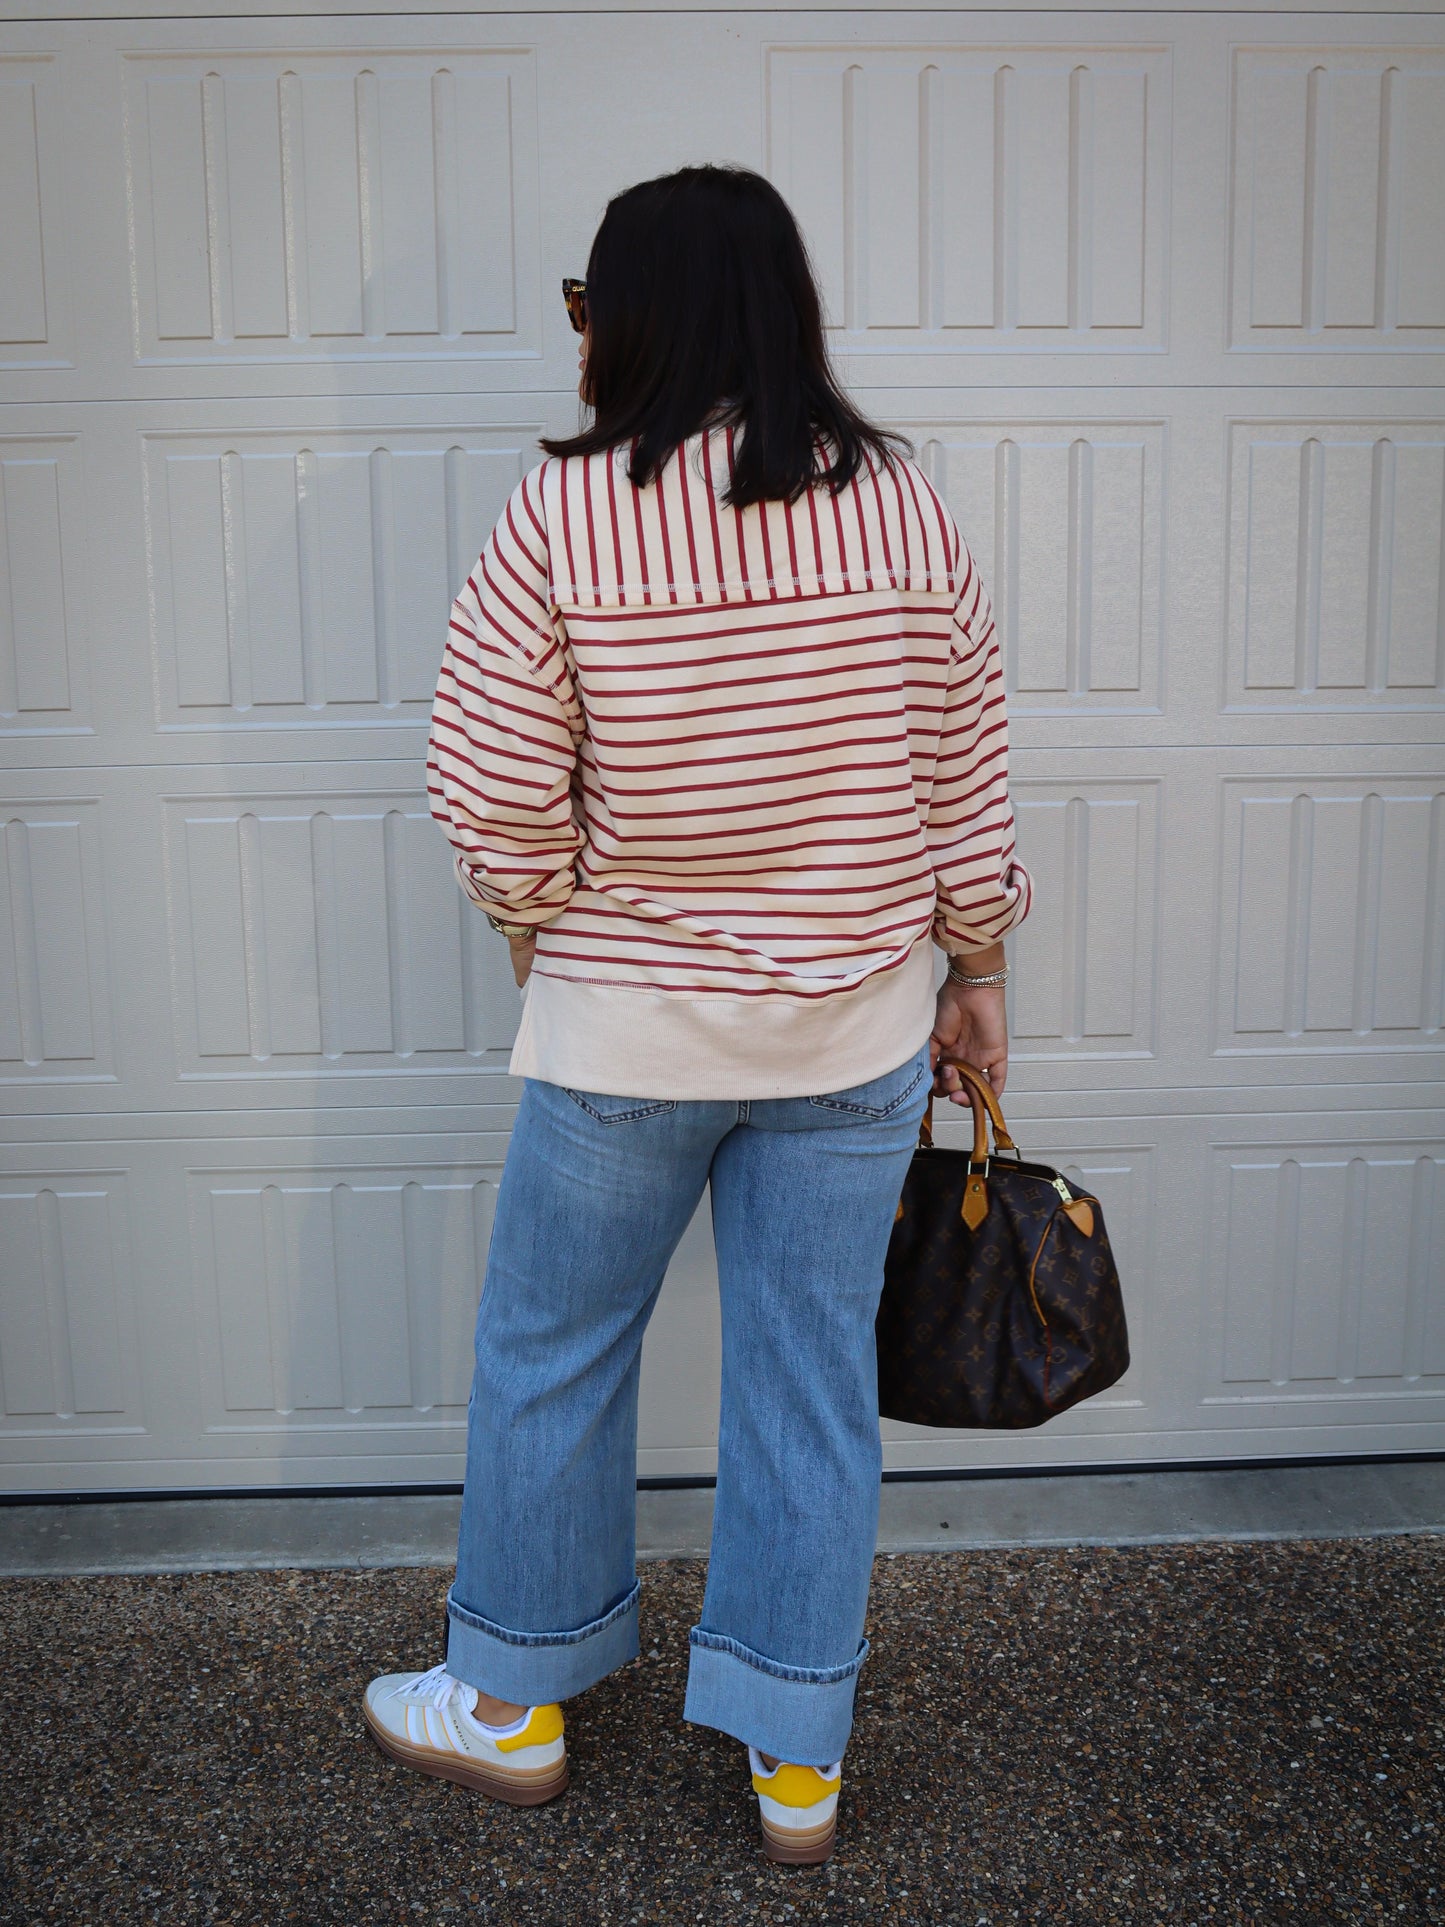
(685, 469)
(624, 738)
(691, 887)
(883, 527)
(902, 516)
(792, 544)
(712, 511)
(855, 498)
(642, 567)
(483, 718)
(812, 673)
(662, 524)
(842, 545)
(638, 845)
(682, 887)
(567, 534)
(512, 755)
(591, 531)
(776, 702)
(608, 799)
(650, 628)
(684, 989)
(582, 636)
(941, 512)
(528, 626)
(537, 522)
(817, 539)
(852, 818)
(904, 781)
(527, 588)
(657, 933)
(767, 550)
(762, 756)
(616, 573)
(609, 910)
(908, 473)
(742, 534)
(896, 873)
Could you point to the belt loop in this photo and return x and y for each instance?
(744, 1105)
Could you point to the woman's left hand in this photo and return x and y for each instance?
(523, 950)
(973, 1025)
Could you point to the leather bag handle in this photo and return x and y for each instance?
(985, 1107)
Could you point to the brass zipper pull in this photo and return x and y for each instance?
(1078, 1211)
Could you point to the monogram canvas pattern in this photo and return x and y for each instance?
(1004, 1325)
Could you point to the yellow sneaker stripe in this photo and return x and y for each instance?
(544, 1726)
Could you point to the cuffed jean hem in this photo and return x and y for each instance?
(534, 1669)
(797, 1713)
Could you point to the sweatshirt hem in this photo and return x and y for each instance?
(629, 1041)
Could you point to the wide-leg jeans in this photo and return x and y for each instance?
(595, 1195)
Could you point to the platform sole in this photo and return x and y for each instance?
(527, 1787)
(803, 1848)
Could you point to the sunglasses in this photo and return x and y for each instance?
(574, 293)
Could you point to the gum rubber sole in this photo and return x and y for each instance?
(805, 1848)
(527, 1788)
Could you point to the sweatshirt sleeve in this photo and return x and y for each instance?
(983, 890)
(505, 726)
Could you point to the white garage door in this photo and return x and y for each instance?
(1160, 296)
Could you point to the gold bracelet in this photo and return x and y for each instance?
(513, 932)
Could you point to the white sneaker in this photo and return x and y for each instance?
(799, 1808)
(425, 1721)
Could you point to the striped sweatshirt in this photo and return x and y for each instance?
(740, 769)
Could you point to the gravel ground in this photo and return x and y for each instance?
(1242, 1732)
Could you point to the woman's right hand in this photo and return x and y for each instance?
(970, 1024)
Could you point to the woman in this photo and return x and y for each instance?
(719, 740)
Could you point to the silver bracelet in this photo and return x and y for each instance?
(962, 977)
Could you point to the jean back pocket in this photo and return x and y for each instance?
(880, 1096)
(619, 1110)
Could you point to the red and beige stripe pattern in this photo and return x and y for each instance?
(750, 754)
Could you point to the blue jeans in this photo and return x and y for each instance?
(594, 1197)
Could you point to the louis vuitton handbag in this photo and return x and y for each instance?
(1001, 1302)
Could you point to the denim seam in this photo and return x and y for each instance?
(625, 1605)
(803, 1675)
(826, 1103)
(652, 1108)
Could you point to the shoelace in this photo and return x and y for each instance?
(439, 1686)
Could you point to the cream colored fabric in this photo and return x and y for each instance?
(643, 1043)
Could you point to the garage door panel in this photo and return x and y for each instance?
(44, 685)
(1335, 564)
(68, 1342)
(287, 206)
(1329, 939)
(1326, 1282)
(298, 576)
(54, 1008)
(36, 325)
(1066, 520)
(339, 1294)
(1085, 981)
(1337, 161)
(993, 196)
(349, 945)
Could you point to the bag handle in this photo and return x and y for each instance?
(986, 1112)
